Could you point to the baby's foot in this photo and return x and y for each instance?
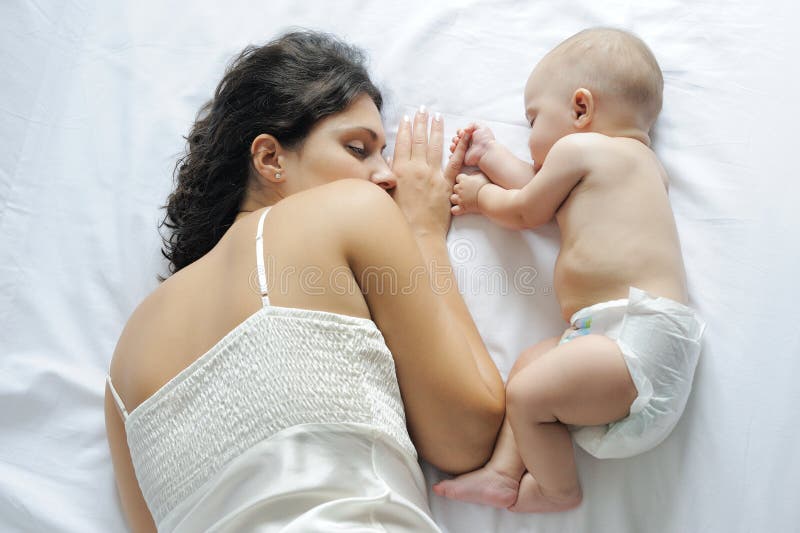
(530, 498)
(484, 486)
(480, 139)
(460, 134)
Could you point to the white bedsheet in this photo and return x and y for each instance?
(96, 96)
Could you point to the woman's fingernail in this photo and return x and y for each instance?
(437, 116)
(422, 110)
(406, 119)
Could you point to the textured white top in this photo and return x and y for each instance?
(256, 398)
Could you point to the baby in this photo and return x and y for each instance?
(618, 379)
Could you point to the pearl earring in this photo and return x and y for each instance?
(277, 175)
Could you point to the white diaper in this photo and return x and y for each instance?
(660, 341)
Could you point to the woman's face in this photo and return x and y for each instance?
(348, 144)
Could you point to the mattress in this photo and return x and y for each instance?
(96, 97)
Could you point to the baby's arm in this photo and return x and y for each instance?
(495, 160)
(504, 168)
(533, 205)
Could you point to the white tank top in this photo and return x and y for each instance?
(292, 422)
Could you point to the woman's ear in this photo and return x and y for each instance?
(582, 108)
(265, 152)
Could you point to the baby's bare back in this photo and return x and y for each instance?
(617, 229)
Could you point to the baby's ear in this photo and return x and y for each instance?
(582, 108)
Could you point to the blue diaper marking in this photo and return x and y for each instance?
(581, 327)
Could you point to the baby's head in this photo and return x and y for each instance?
(601, 79)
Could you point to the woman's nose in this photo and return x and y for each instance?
(384, 177)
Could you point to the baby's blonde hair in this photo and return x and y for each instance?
(614, 63)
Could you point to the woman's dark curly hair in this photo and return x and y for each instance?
(282, 88)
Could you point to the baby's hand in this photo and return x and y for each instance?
(482, 137)
(465, 193)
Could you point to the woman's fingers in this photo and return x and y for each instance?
(419, 145)
(413, 142)
(436, 141)
(402, 144)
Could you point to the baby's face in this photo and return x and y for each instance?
(548, 110)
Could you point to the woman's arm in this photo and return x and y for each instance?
(133, 505)
(434, 251)
(424, 198)
(452, 391)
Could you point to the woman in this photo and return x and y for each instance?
(279, 408)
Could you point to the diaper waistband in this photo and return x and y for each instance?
(642, 300)
(580, 316)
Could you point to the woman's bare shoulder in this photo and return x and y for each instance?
(150, 331)
(341, 197)
(344, 209)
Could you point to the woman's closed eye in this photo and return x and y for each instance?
(358, 149)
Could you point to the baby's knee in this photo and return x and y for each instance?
(530, 399)
(531, 354)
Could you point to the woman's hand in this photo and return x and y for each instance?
(423, 190)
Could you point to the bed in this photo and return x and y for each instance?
(96, 97)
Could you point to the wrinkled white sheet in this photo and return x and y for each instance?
(95, 98)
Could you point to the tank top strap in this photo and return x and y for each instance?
(117, 399)
(262, 272)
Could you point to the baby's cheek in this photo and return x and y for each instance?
(532, 147)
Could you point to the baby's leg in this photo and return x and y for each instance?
(582, 382)
(497, 483)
